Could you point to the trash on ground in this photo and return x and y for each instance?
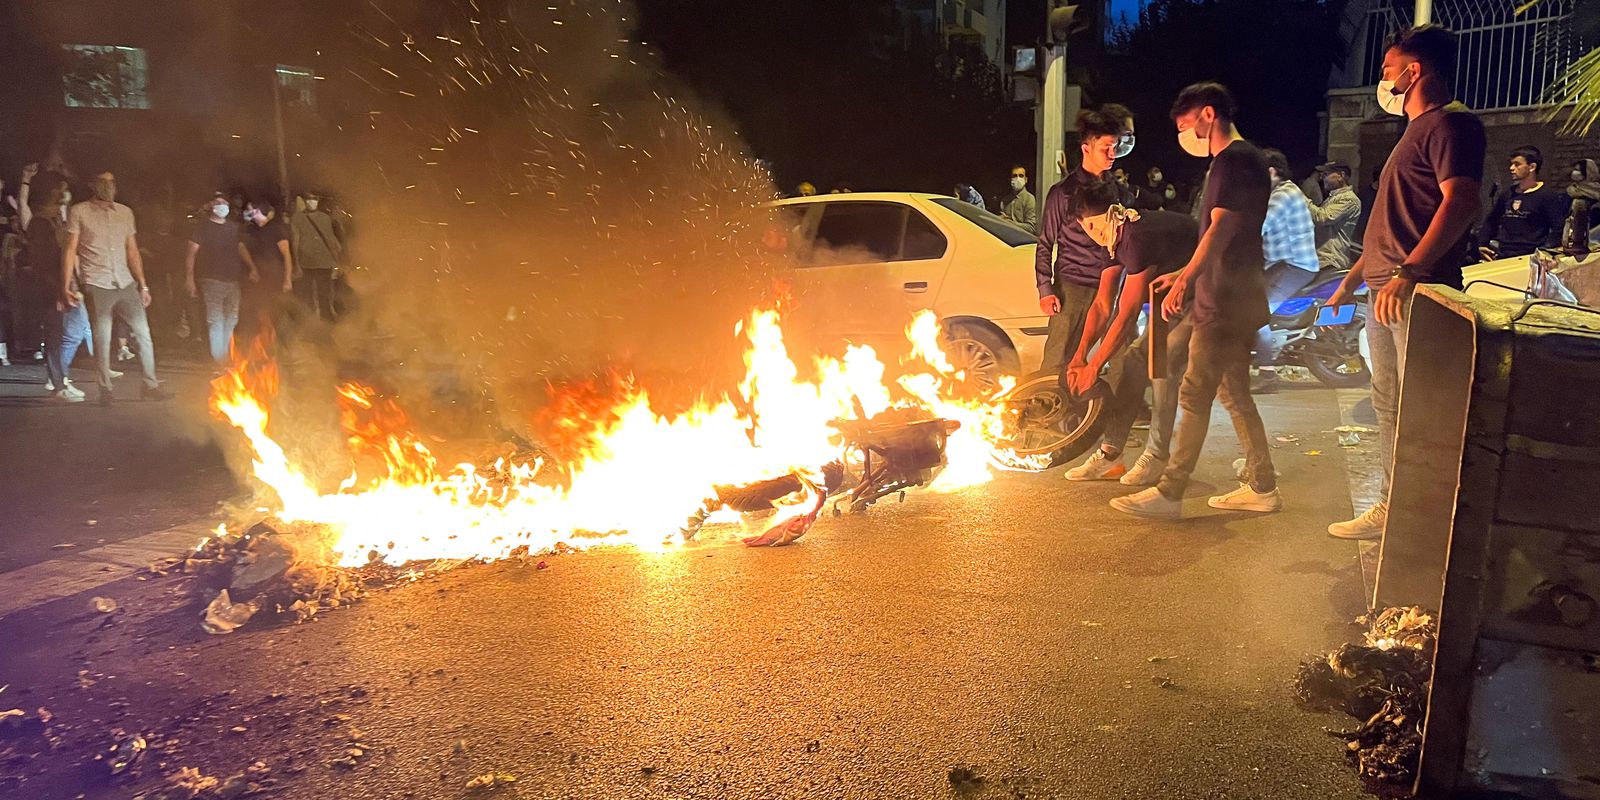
(1353, 429)
(191, 782)
(491, 780)
(1383, 682)
(63, 546)
(125, 751)
(223, 615)
(104, 605)
(1313, 452)
(1163, 681)
(1289, 439)
(1349, 439)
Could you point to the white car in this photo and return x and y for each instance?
(865, 262)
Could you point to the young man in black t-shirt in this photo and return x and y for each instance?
(217, 263)
(1144, 246)
(1222, 291)
(1527, 215)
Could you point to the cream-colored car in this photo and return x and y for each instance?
(865, 262)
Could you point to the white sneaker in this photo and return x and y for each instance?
(1367, 526)
(116, 374)
(1245, 498)
(1146, 471)
(1148, 503)
(73, 390)
(1099, 467)
(49, 385)
(65, 396)
(125, 354)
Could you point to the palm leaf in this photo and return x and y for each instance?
(1578, 87)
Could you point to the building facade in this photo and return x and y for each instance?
(980, 23)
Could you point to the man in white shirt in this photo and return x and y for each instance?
(103, 252)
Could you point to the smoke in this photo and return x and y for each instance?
(534, 201)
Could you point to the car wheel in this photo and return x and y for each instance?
(1043, 419)
(984, 355)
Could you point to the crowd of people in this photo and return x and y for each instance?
(75, 275)
(1250, 239)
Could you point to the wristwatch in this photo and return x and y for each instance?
(1406, 271)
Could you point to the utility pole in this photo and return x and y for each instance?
(1424, 13)
(1058, 102)
(283, 160)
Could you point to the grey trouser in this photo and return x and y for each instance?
(1388, 346)
(124, 304)
(1129, 376)
(1219, 368)
(1066, 327)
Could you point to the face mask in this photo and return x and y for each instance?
(1155, 177)
(1125, 145)
(105, 191)
(1194, 143)
(220, 211)
(66, 197)
(311, 205)
(1172, 194)
(1018, 183)
(1392, 99)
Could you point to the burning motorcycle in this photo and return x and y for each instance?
(1044, 419)
(1306, 332)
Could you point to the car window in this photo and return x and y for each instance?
(854, 233)
(1013, 235)
(922, 239)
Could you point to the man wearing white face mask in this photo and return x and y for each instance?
(1222, 299)
(317, 247)
(1427, 201)
(1020, 206)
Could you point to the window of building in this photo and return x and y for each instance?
(298, 86)
(105, 76)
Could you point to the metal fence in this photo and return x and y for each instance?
(1507, 60)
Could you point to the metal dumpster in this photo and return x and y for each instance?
(1495, 521)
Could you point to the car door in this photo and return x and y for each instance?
(869, 264)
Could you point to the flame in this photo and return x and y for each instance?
(634, 475)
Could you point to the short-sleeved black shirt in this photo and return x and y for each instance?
(1233, 292)
(1444, 143)
(218, 258)
(1161, 241)
(262, 241)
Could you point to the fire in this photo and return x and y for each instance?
(636, 476)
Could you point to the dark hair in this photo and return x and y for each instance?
(264, 206)
(1531, 155)
(1015, 167)
(1200, 95)
(1277, 160)
(1095, 124)
(1432, 45)
(1092, 198)
(1117, 111)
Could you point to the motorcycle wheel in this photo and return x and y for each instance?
(1341, 368)
(1049, 421)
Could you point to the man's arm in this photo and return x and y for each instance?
(1454, 217)
(1131, 300)
(249, 261)
(1094, 323)
(69, 267)
(1030, 211)
(188, 268)
(1335, 209)
(1491, 222)
(1556, 210)
(24, 192)
(1225, 224)
(288, 264)
(1044, 269)
(136, 268)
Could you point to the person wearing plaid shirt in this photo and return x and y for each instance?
(1289, 245)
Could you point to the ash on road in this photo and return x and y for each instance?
(1017, 640)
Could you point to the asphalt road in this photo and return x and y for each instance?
(1022, 633)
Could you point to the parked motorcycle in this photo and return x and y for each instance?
(1306, 332)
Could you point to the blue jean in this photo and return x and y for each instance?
(222, 315)
(65, 332)
(1388, 346)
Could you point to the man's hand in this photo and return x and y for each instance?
(288, 285)
(1081, 377)
(1389, 305)
(1176, 285)
(1338, 298)
(69, 299)
(1050, 305)
(144, 296)
(29, 171)
(189, 287)
(255, 277)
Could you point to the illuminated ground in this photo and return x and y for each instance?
(1024, 631)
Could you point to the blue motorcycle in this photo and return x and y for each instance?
(1327, 341)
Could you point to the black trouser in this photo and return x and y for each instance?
(1219, 367)
(1066, 327)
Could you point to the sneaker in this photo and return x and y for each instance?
(116, 374)
(125, 354)
(1099, 467)
(1146, 471)
(65, 396)
(1367, 526)
(1148, 503)
(50, 385)
(1245, 498)
(155, 393)
(73, 390)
